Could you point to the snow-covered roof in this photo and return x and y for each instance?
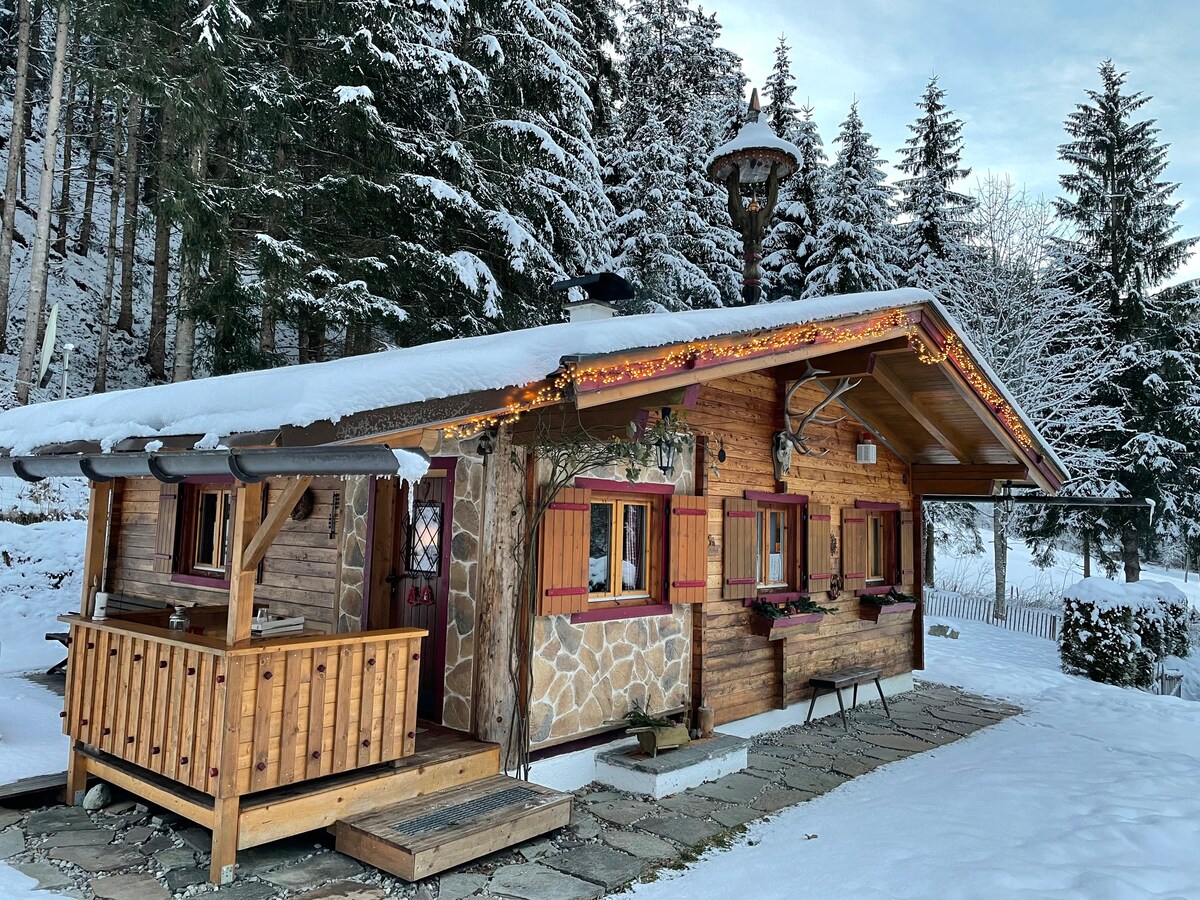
(299, 396)
(751, 136)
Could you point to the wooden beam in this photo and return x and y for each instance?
(974, 472)
(927, 419)
(281, 509)
(893, 441)
(858, 362)
(685, 377)
(247, 517)
(94, 554)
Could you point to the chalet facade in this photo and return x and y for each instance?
(525, 591)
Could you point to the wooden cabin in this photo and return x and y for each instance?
(457, 621)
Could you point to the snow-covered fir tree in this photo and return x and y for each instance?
(856, 247)
(1121, 209)
(792, 235)
(932, 212)
(679, 94)
(780, 91)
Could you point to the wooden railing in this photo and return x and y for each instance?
(232, 721)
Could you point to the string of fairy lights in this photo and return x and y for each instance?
(696, 353)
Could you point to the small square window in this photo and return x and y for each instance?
(205, 550)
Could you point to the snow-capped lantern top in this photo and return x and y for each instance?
(753, 151)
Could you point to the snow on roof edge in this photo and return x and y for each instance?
(300, 395)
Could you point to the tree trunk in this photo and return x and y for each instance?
(1000, 560)
(499, 589)
(156, 350)
(38, 267)
(84, 244)
(1087, 554)
(929, 554)
(64, 191)
(189, 277)
(1129, 552)
(133, 134)
(16, 159)
(110, 261)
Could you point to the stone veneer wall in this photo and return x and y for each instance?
(588, 675)
(356, 500)
(464, 575)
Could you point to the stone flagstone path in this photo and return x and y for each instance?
(130, 852)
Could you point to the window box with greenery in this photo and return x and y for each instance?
(788, 619)
(873, 607)
(655, 733)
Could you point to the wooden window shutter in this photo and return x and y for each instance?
(907, 549)
(687, 524)
(817, 566)
(565, 533)
(164, 535)
(854, 549)
(740, 580)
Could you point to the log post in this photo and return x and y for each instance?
(224, 839)
(498, 598)
(247, 516)
(95, 554)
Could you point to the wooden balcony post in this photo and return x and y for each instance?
(95, 553)
(247, 517)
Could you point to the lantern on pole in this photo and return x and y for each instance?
(756, 159)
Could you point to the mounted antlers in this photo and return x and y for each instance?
(794, 435)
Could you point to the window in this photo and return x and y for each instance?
(772, 534)
(619, 548)
(205, 551)
(425, 540)
(877, 548)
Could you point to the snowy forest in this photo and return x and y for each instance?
(202, 188)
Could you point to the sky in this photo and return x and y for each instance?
(1012, 70)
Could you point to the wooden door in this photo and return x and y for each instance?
(412, 588)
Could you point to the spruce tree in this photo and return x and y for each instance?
(933, 231)
(780, 89)
(682, 95)
(1121, 208)
(855, 244)
(793, 233)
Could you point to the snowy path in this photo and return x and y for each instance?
(1091, 793)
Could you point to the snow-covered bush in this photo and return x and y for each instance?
(1118, 633)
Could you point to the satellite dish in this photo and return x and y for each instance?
(48, 344)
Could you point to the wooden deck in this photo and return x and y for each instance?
(442, 759)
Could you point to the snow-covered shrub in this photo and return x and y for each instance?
(1117, 633)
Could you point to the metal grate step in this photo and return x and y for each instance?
(465, 812)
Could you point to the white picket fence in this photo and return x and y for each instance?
(1026, 619)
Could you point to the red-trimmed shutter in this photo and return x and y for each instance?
(817, 567)
(739, 578)
(563, 557)
(907, 550)
(854, 549)
(687, 524)
(164, 534)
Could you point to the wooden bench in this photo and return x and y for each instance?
(852, 678)
(63, 638)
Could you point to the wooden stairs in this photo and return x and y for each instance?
(416, 838)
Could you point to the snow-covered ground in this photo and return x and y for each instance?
(1090, 793)
(974, 573)
(39, 580)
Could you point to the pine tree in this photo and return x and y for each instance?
(682, 95)
(793, 233)
(855, 244)
(1123, 214)
(780, 89)
(933, 231)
